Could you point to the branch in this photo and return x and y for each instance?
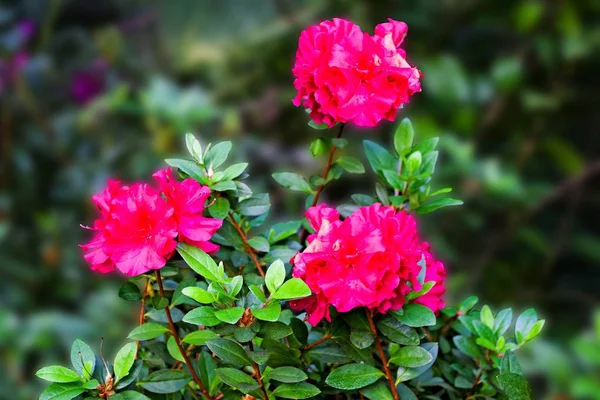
(318, 342)
(141, 315)
(247, 247)
(258, 375)
(178, 341)
(384, 361)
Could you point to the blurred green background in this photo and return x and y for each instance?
(97, 89)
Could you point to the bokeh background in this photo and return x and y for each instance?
(97, 89)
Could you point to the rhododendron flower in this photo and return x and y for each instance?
(370, 259)
(139, 225)
(345, 75)
(188, 199)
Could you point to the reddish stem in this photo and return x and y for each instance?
(318, 342)
(384, 361)
(141, 315)
(258, 375)
(178, 341)
(248, 248)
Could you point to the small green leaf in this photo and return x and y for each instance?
(233, 171)
(353, 376)
(515, 386)
(286, 375)
(535, 330)
(378, 391)
(124, 360)
(229, 351)
(302, 390)
(487, 317)
(199, 338)
(274, 330)
(292, 181)
(268, 313)
(204, 316)
(411, 357)
(234, 286)
(259, 243)
(292, 289)
(220, 208)
(56, 373)
(255, 205)
(403, 137)
(275, 276)
(316, 126)
(198, 294)
(439, 203)
(351, 164)
(502, 321)
(237, 379)
(217, 154)
(165, 381)
(379, 157)
(130, 292)
(413, 162)
(320, 146)
(193, 146)
(173, 349)
(510, 364)
(147, 331)
(405, 373)
(83, 358)
(416, 315)
(200, 262)
(61, 391)
(427, 145)
(524, 324)
(129, 395)
(467, 345)
(398, 332)
(257, 291)
(230, 315)
(283, 230)
(361, 339)
(189, 167)
(427, 286)
(467, 304)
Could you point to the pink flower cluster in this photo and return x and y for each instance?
(139, 226)
(345, 75)
(370, 259)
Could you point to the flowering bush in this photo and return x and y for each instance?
(345, 304)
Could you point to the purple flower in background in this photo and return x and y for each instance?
(87, 84)
(27, 29)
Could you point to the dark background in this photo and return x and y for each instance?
(98, 89)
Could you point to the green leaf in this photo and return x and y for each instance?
(56, 373)
(178, 296)
(224, 186)
(229, 351)
(129, 395)
(403, 137)
(257, 204)
(275, 276)
(283, 230)
(259, 243)
(487, 317)
(60, 391)
(339, 143)
(147, 331)
(379, 157)
(204, 316)
(233, 171)
(198, 294)
(427, 286)
(428, 164)
(159, 302)
(193, 146)
(467, 304)
(502, 321)
(361, 339)
(319, 127)
(230, 315)
(286, 375)
(207, 366)
(199, 338)
(378, 391)
(353, 376)
(165, 381)
(300, 390)
(268, 313)
(351, 164)
(406, 373)
(510, 364)
(393, 179)
(416, 315)
(524, 324)
(220, 208)
(292, 289)
(515, 386)
(217, 154)
(237, 379)
(124, 360)
(462, 383)
(413, 162)
(427, 145)
(320, 146)
(535, 330)
(130, 292)
(257, 291)
(467, 345)
(292, 181)
(274, 330)
(83, 358)
(411, 357)
(200, 262)
(398, 332)
(132, 376)
(439, 203)
(189, 167)
(173, 349)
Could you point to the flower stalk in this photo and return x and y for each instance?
(249, 250)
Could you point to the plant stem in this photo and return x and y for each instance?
(304, 232)
(318, 342)
(141, 315)
(178, 341)
(258, 375)
(384, 361)
(248, 248)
